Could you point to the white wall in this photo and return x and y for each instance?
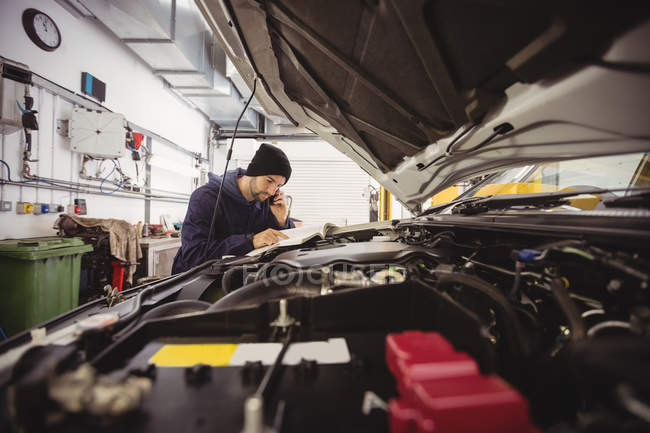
(131, 89)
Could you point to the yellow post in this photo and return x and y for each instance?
(385, 204)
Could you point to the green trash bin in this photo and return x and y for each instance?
(39, 279)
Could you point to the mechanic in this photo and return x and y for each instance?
(251, 211)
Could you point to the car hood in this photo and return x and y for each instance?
(413, 91)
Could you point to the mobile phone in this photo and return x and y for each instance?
(274, 197)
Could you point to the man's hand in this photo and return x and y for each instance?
(279, 208)
(268, 237)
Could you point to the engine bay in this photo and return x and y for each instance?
(300, 340)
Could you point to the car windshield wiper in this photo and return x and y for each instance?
(641, 200)
(439, 207)
(506, 201)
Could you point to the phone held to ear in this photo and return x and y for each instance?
(274, 197)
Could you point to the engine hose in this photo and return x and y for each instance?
(249, 278)
(261, 273)
(561, 295)
(226, 280)
(511, 325)
(298, 283)
(264, 270)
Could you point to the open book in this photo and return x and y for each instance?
(297, 236)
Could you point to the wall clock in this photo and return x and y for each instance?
(41, 29)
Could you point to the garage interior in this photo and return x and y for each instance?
(469, 185)
(156, 69)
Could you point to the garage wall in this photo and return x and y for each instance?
(131, 90)
(326, 186)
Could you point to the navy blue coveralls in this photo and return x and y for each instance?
(236, 223)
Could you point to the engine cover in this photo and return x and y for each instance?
(357, 252)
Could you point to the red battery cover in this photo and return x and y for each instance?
(442, 391)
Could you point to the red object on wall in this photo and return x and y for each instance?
(118, 274)
(137, 137)
(443, 391)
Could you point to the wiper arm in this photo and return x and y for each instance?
(506, 201)
(641, 200)
(439, 207)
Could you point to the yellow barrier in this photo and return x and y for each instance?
(385, 204)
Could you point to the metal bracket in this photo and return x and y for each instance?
(112, 295)
(283, 320)
(326, 285)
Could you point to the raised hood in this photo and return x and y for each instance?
(392, 83)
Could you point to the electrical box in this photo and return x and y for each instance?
(12, 89)
(41, 208)
(97, 133)
(54, 207)
(24, 207)
(81, 204)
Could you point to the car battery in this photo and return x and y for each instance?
(443, 391)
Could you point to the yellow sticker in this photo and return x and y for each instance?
(186, 355)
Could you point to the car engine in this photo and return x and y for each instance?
(412, 326)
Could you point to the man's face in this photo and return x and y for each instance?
(263, 187)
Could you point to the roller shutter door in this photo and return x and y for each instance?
(327, 191)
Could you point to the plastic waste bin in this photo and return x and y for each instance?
(39, 279)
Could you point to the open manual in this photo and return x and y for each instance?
(297, 236)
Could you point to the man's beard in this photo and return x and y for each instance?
(257, 195)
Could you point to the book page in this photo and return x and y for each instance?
(296, 237)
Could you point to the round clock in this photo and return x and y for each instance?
(41, 29)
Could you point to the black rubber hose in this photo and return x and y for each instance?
(227, 279)
(249, 278)
(515, 285)
(261, 273)
(299, 283)
(568, 307)
(228, 286)
(511, 325)
(276, 268)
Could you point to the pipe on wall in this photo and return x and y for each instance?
(87, 189)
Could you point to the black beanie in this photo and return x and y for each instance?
(269, 160)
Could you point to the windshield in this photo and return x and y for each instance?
(607, 172)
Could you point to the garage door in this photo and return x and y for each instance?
(327, 191)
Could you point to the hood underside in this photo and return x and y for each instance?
(390, 83)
